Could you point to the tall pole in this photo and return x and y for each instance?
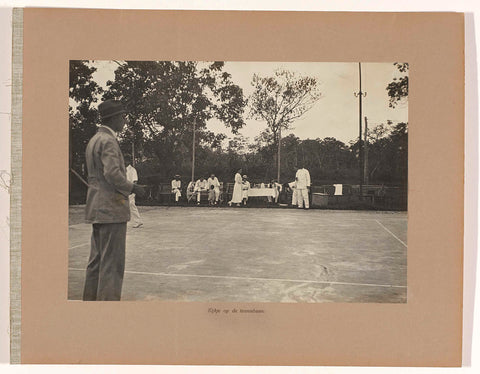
(278, 158)
(365, 154)
(193, 150)
(360, 95)
(360, 149)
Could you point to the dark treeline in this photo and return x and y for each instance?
(328, 160)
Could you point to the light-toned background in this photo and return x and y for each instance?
(426, 331)
(471, 169)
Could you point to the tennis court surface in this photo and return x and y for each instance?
(255, 255)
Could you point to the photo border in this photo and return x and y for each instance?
(435, 261)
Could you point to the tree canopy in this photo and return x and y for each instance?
(281, 99)
(165, 98)
(82, 114)
(398, 89)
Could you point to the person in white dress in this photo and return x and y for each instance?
(213, 181)
(245, 189)
(177, 187)
(190, 190)
(303, 184)
(237, 189)
(132, 176)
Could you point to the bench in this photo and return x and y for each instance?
(164, 193)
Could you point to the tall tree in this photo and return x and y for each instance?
(280, 100)
(398, 92)
(83, 116)
(166, 99)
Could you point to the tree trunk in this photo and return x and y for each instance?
(278, 157)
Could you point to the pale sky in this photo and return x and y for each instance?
(335, 115)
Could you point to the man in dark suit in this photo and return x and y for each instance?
(107, 206)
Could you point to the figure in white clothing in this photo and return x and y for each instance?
(190, 190)
(200, 187)
(213, 182)
(303, 184)
(177, 187)
(237, 189)
(245, 189)
(132, 176)
(293, 188)
(277, 189)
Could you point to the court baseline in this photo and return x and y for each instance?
(256, 279)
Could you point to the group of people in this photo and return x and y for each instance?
(241, 189)
(299, 188)
(211, 186)
(112, 187)
(195, 189)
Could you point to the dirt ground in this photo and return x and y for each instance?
(256, 255)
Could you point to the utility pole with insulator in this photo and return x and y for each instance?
(360, 95)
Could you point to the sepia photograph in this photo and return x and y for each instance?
(229, 181)
(211, 188)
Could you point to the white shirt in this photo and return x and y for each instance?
(176, 184)
(131, 174)
(213, 182)
(201, 184)
(303, 178)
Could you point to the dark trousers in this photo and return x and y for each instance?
(106, 264)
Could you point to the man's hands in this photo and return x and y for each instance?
(139, 190)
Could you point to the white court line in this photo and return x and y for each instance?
(391, 233)
(371, 219)
(259, 279)
(79, 224)
(80, 245)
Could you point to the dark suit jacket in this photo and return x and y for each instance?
(107, 196)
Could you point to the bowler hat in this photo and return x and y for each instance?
(110, 108)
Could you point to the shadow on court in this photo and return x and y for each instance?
(256, 255)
